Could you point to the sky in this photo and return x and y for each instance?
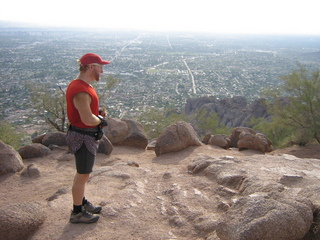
(216, 16)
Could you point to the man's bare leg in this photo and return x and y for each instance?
(79, 184)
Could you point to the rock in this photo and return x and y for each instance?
(132, 163)
(177, 137)
(235, 135)
(10, 159)
(126, 133)
(255, 142)
(314, 231)
(105, 146)
(266, 219)
(289, 180)
(254, 185)
(220, 140)
(31, 171)
(57, 138)
(311, 192)
(195, 104)
(206, 138)
(116, 131)
(34, 150)
(231, 180)
(20, 221)
(200, 164)
(136, 136)
(205, 225)
(38, 139)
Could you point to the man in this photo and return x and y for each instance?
(84, 132)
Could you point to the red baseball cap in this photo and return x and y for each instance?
(90, 58)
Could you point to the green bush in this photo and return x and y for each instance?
(294, 106)
(10, 136)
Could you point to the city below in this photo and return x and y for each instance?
(156, 70)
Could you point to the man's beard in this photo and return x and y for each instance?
(97, 76)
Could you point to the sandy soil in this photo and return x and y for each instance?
(134, 198)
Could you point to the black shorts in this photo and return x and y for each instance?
(84, 160)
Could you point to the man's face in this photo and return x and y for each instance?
(97, 71)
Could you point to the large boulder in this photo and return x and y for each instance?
(116, 131)
(57, 138)
(38, 139)
(10, 159)
(20, 221)
(266, 218)
(136, 136)
(257, 142)
(177, 137)
(247, 138)
(34, 150)
(235, 135)
(219, 140)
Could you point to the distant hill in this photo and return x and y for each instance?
(233, 112)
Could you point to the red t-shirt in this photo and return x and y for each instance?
(76, 86)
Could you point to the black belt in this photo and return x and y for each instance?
(98, 134)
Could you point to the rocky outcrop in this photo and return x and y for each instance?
(19, 221)
(232, 112)
(257, 208)
(275, 218)
(10, 159)
(176, 137)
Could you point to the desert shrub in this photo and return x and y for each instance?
(294, 106)
(10, 136)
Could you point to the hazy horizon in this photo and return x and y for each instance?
(237, 17)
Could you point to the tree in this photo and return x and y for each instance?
(50, 104)
(296, 104)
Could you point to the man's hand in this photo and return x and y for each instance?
(103, 121)
(103, 112)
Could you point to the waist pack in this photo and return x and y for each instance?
(97, 135)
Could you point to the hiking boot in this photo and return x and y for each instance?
(91, 209)
(83, 217)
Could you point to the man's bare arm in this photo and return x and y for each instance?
(82, 103)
